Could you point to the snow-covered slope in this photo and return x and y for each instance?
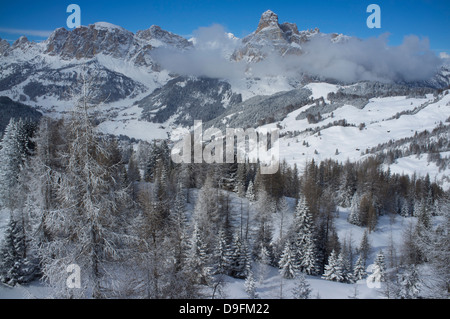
(345, 133)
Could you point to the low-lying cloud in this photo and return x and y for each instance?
(348, 61)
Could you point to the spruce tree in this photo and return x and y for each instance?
(303, 233)
(380, 267)
(287, 263)
(240, 258)
(333, 270)
(250, 195)
(221, 255)
(364, 246)
(250, 286)
(302, 289)
(355, 215)
(198, 260)
(13, 151)
(409, 283)
(359, 271)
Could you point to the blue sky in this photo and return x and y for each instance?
(399, 18)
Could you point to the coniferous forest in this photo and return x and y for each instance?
(140, 226)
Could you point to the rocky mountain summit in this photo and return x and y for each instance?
(272, 37)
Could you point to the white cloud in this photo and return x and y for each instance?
(353, 60)
(37, 33)
(444, 55)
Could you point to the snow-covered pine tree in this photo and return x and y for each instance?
(309, 263)
(436, 246)
(221, 255)
(15, 267)
(333, 270)
(287, 263)
(241, 179)
(409, 283)
(133, 170)
(87, 226)
(379, 269)
(364, 246)
(250, 195)
(302, 289)
(263, 262)
(178, 228)
(343, 263)
(13, 151)
(355, 216)
(206, 212)
(404, 210)
(250, 286)
(303, 233)
(240, 258)
(198, 259)
(359, 271)
(263, 221)
(282, 214)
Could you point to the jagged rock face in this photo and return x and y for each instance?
(268, 19)
(86, 42)
(183, 100)
(4, 46)
(156, 37)
(114, 41)
(270, 37)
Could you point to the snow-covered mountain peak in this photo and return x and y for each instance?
(157, 37)
(270, 37)
(108, 26)
(268, 19)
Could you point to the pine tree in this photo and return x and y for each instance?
(303, 235)
(240, 258)
(179, 231)
(263, 260)
(263, 221)
(287, 263)
(379, 267)
(282, 212)
(405, 209)
(409, 283)
(13, 151)
(250, 286)
(333, 270)
(343, 262)
(364, 247)
(250, 192)
(206, 212)
(309, 259)
(302, 289)
(359, 271)
(355, 215)
(88, 225)
(221, 255)
(241, 179)
(198, 260)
